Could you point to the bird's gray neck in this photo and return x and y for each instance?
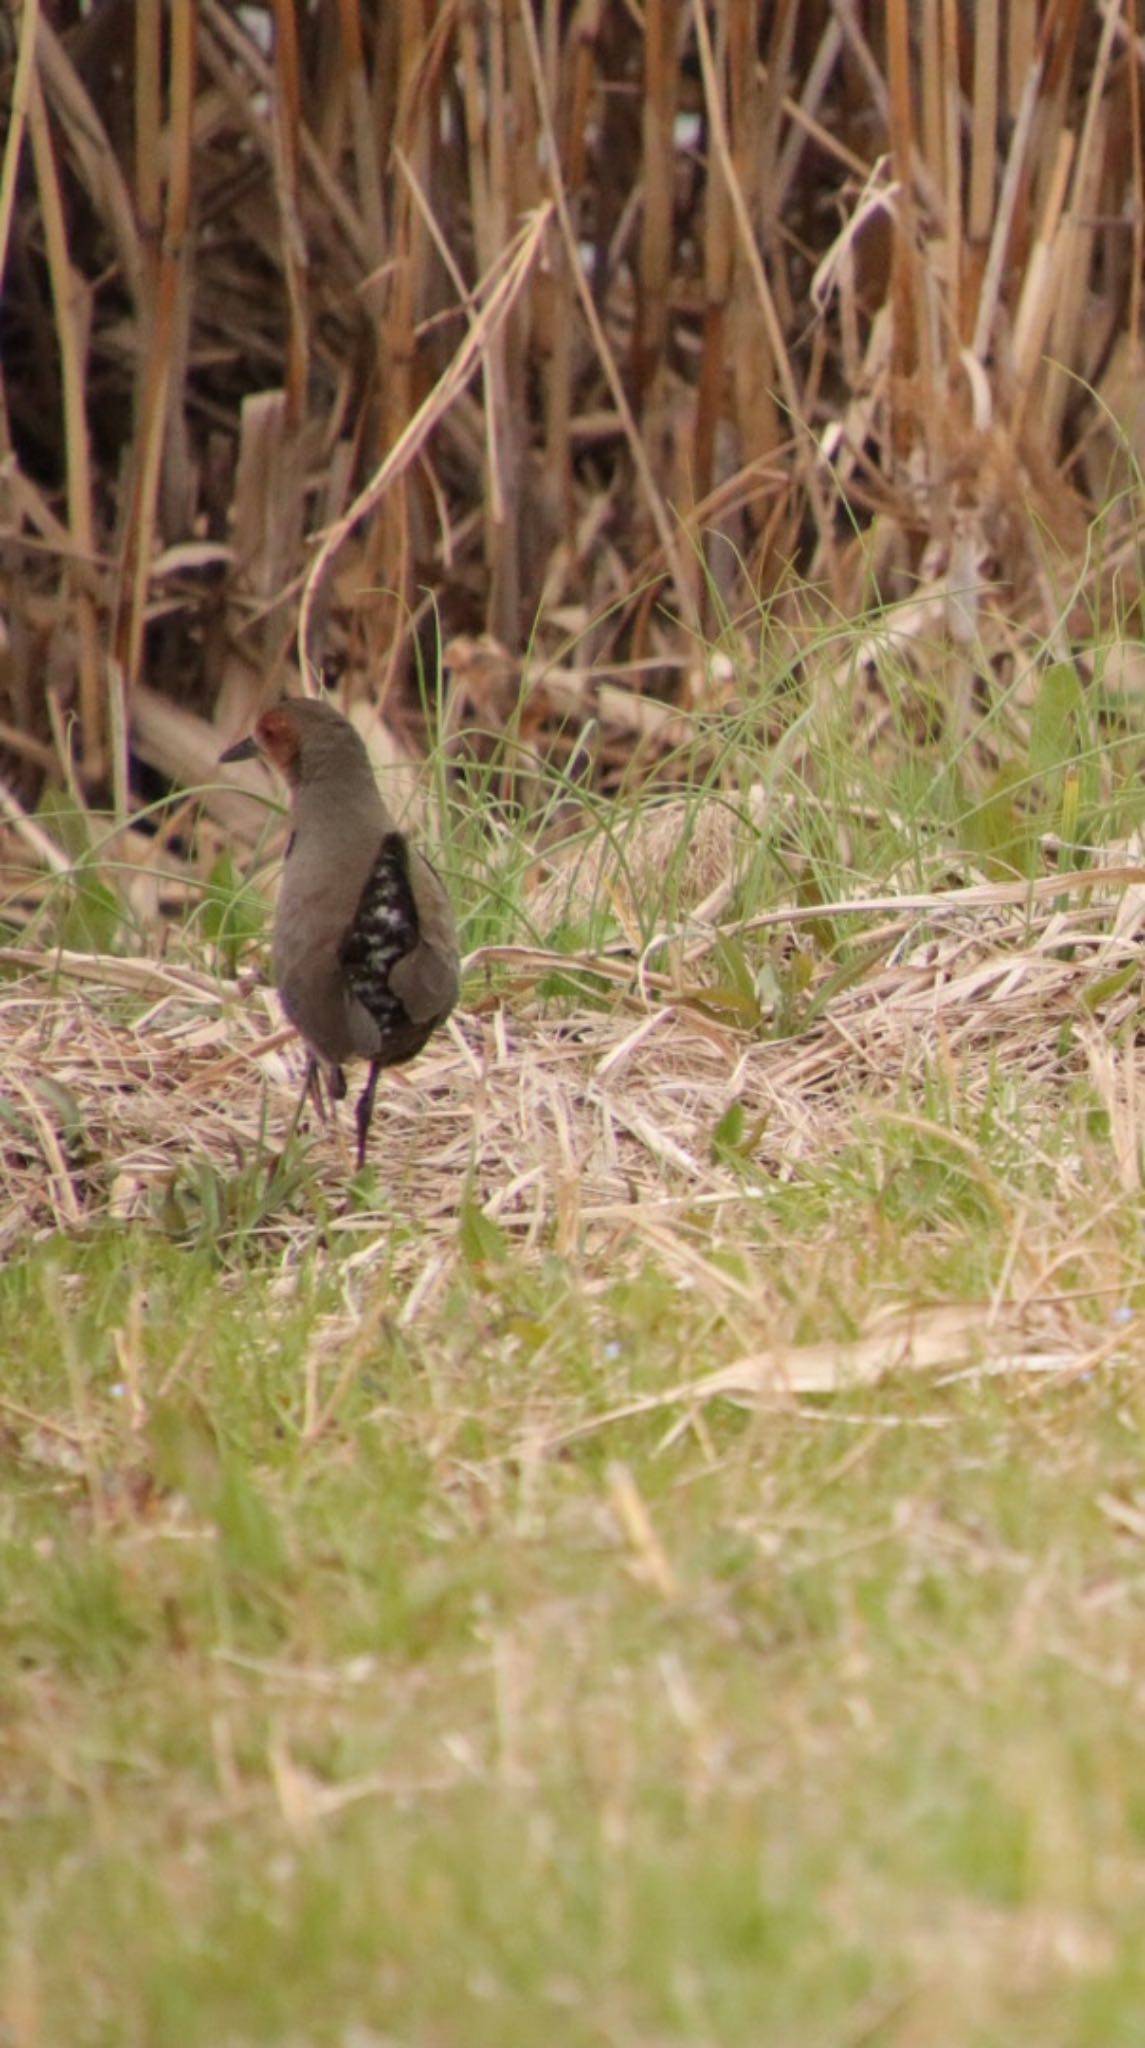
(341, 806)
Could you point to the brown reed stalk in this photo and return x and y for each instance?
(658, 172)
(719, 246)
(17, 122)
(159, 327)
(71, 310)
(286, 125)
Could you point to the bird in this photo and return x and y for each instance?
(364, 949)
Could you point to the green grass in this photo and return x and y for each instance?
(368, 1675)
(397, 1725)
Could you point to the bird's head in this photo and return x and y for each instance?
(306, 740)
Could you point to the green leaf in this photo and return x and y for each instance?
(735, 969)
(92, 912)
(231, 914)
(996, 829)
(1056, 723)
(727, 1135)
(726, 1003)
(735, 1140)
(481, 1240)
(1110, 986)
(66, 822)
(93, 916)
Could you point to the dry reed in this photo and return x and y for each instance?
(560, 326)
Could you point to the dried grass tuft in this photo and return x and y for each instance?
(699, 846)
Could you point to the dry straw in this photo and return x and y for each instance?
(140, 1075)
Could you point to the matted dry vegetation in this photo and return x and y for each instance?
(578, 329)
(598, 1133)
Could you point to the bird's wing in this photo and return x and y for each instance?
(427, 978)
(383, 931)
(399, 955)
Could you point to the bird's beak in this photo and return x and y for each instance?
(243, 750)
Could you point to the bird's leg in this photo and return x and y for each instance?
(365, 1110)
(324, 1086)
(312, 1092)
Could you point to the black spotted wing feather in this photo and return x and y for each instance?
(385, 928)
